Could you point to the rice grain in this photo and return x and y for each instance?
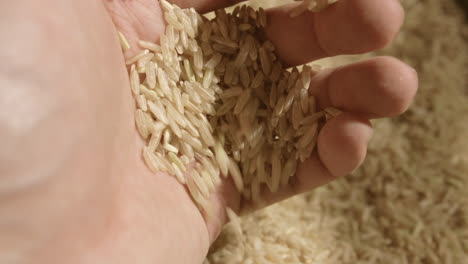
(123, 41)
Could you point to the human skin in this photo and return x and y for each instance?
(73, 186)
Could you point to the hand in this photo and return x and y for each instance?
(73, 186)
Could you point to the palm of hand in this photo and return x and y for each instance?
(106, 178)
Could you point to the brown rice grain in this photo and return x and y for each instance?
(171, 72)
(198, 59)
(150, 74)
(304, 99)
(236, 175)
(258, 80)
(203, 92)
(154, 141)
(222, 158)
(288, 102)
(192, 141)
(265, 61)
(134, 81)
(306, 76)
(313, 118)
(141, 63)
(225, 42)
(187, 150)
(332, 112)
(142, 120)
(298, 10)
(171, 18)
(178, 100)
(211, 169)
(279, 107)
(166, 5)
(200, 183)
(164, 84)
(275, 170)
(223, 29)
(241, 57)
(137, 57)
(244, 77)
(151, 160)
(189, 106)
(206, 135)
(170, 148)
(224, 49)
(206, 32)
(288, 170)
(242, 101)
(208, 78)
(149, 94)
(164, 163)
(307, 138)
(158, 110)
(178, 173)
(296, 115)
(141, 102)
(207, 179)
(149, 46)
(194, 192)
(123, 42)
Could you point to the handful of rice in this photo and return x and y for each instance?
(213, 100)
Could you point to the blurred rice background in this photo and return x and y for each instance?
(409, 202)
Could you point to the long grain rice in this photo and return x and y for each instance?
(123, 41)
(214, 95)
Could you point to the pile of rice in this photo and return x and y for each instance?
(408, 203)
(213, 100)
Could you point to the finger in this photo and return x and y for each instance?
(204, 6)
(341, 148)
(347, 27)
(342, 143)
(378, 87)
